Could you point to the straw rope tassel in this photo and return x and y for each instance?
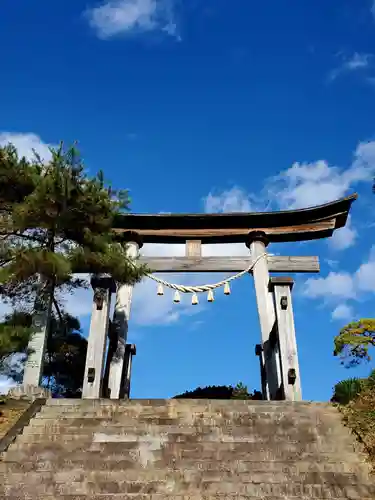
(210, 296)
(226, 289)
(160, 289)
(177, 297)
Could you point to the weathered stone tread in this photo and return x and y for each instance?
(185, 449)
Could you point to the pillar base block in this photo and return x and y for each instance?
(30, 392)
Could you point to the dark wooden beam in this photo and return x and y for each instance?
(234, 235)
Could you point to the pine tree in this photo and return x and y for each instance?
(353, 342)
(55, 222)
(65, 356)
(15, 331)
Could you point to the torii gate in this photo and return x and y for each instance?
(278, 348)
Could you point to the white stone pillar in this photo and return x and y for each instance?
(33, 372)
(130, 351)
(257, 244)
(121, 325)
(291, 382)
(103, 287)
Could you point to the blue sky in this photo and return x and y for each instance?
(211, 106)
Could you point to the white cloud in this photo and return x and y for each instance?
(225, 250)
(115, 17)
(231, 200)
(343, 312)
(334, 286)
(343, 285)
(303, 185)
(344, 237)
(365, 275)
(309, 184)
(355, 62)
(25, 144)
(358, 61)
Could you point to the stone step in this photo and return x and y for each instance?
(186, 476)
(102, 442)
(262, 421)
(78, 425)
(139, 409)
(103, 436)
(291, 467)
(69, 426)
(191, 403)
(193, 409)
(121, 434)
(144, 456)
(178, 410)
(179, 436)
(210, 488)
(190, 419)
(136, 496)
(249, 425)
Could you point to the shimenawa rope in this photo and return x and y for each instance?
(202, 288)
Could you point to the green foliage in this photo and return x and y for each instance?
(219, 392)
(359, 416)
(240, 392)
(370, 381)
(353, 342)
(56, 221)
(347, 390)
(209, 392)
(15, 332)
(65, 357)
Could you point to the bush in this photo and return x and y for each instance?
(240, 392)
(359, 416)
(348, 390)
(370, 381)
(220, 392)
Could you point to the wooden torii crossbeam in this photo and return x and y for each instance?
(276, 264)
(286, 226)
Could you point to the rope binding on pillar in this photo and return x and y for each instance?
(194, 290)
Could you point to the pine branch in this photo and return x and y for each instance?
(56, 305)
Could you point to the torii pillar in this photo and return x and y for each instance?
(130, 351)
(117, 359)
(270, 361)
(291, 382)
(103, 286)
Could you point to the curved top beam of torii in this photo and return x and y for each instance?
(284, 226)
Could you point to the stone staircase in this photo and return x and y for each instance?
(184, 449)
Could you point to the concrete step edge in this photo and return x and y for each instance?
(358, 491)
